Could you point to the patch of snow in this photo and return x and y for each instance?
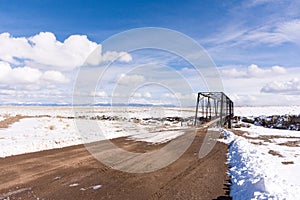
(260, 130)
(96, 187)
(2, 118)
(74, 185)
(57, 178)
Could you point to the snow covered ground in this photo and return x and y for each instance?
(266, 110)
(128, 112)
(264, 163)
(56, 130)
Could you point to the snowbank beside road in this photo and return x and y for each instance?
(257, 174)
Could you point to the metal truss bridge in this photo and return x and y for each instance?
(213, 107)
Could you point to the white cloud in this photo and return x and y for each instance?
(99, 94)
(142, 95)
(147, 95)
(252, 71)
(113, 55)
(39, 66)
(8, 92)
(232, 73)
(290, 30)
(278, 69)
(180, 96)
(24, 75)
(255, 71)
(125, 57)
(131, 79)
(18, 75)
(270, 33)
(44, 51)
(284, 87)
(242, 99)
(137, 95)
(55, 76)
(263, 35)
(260, 2)
(5, 70)
(27, 75)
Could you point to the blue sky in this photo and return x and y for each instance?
(101, 19)
(254, 43)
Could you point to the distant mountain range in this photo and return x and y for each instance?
(97, 104)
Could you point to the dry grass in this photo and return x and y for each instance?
(258, 143)
(52, 127)
(291, 144)
(6, 116)
(287, 162)
(10, 120)
(275, 153)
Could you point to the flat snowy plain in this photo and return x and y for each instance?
(54, 127)
(264, 163)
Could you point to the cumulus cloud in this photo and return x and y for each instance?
(131, 79)
(39, 65)
(252, 71)
(125, 57)
(99, 94)
(112, 55)
(147, 95)
(97, 56)
(278, 69)
(55, 76)
(242, 99)
(178, 95)
(44, 51)
(284, 87)
(27, 75)
(18, 75)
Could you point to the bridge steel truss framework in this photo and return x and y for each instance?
(214, 106)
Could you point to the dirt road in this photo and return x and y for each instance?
(73, 173)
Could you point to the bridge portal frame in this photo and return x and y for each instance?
(214, 106)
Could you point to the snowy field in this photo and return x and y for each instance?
(264, 163)
(128, 112)
(55, 127)
(266, 110)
